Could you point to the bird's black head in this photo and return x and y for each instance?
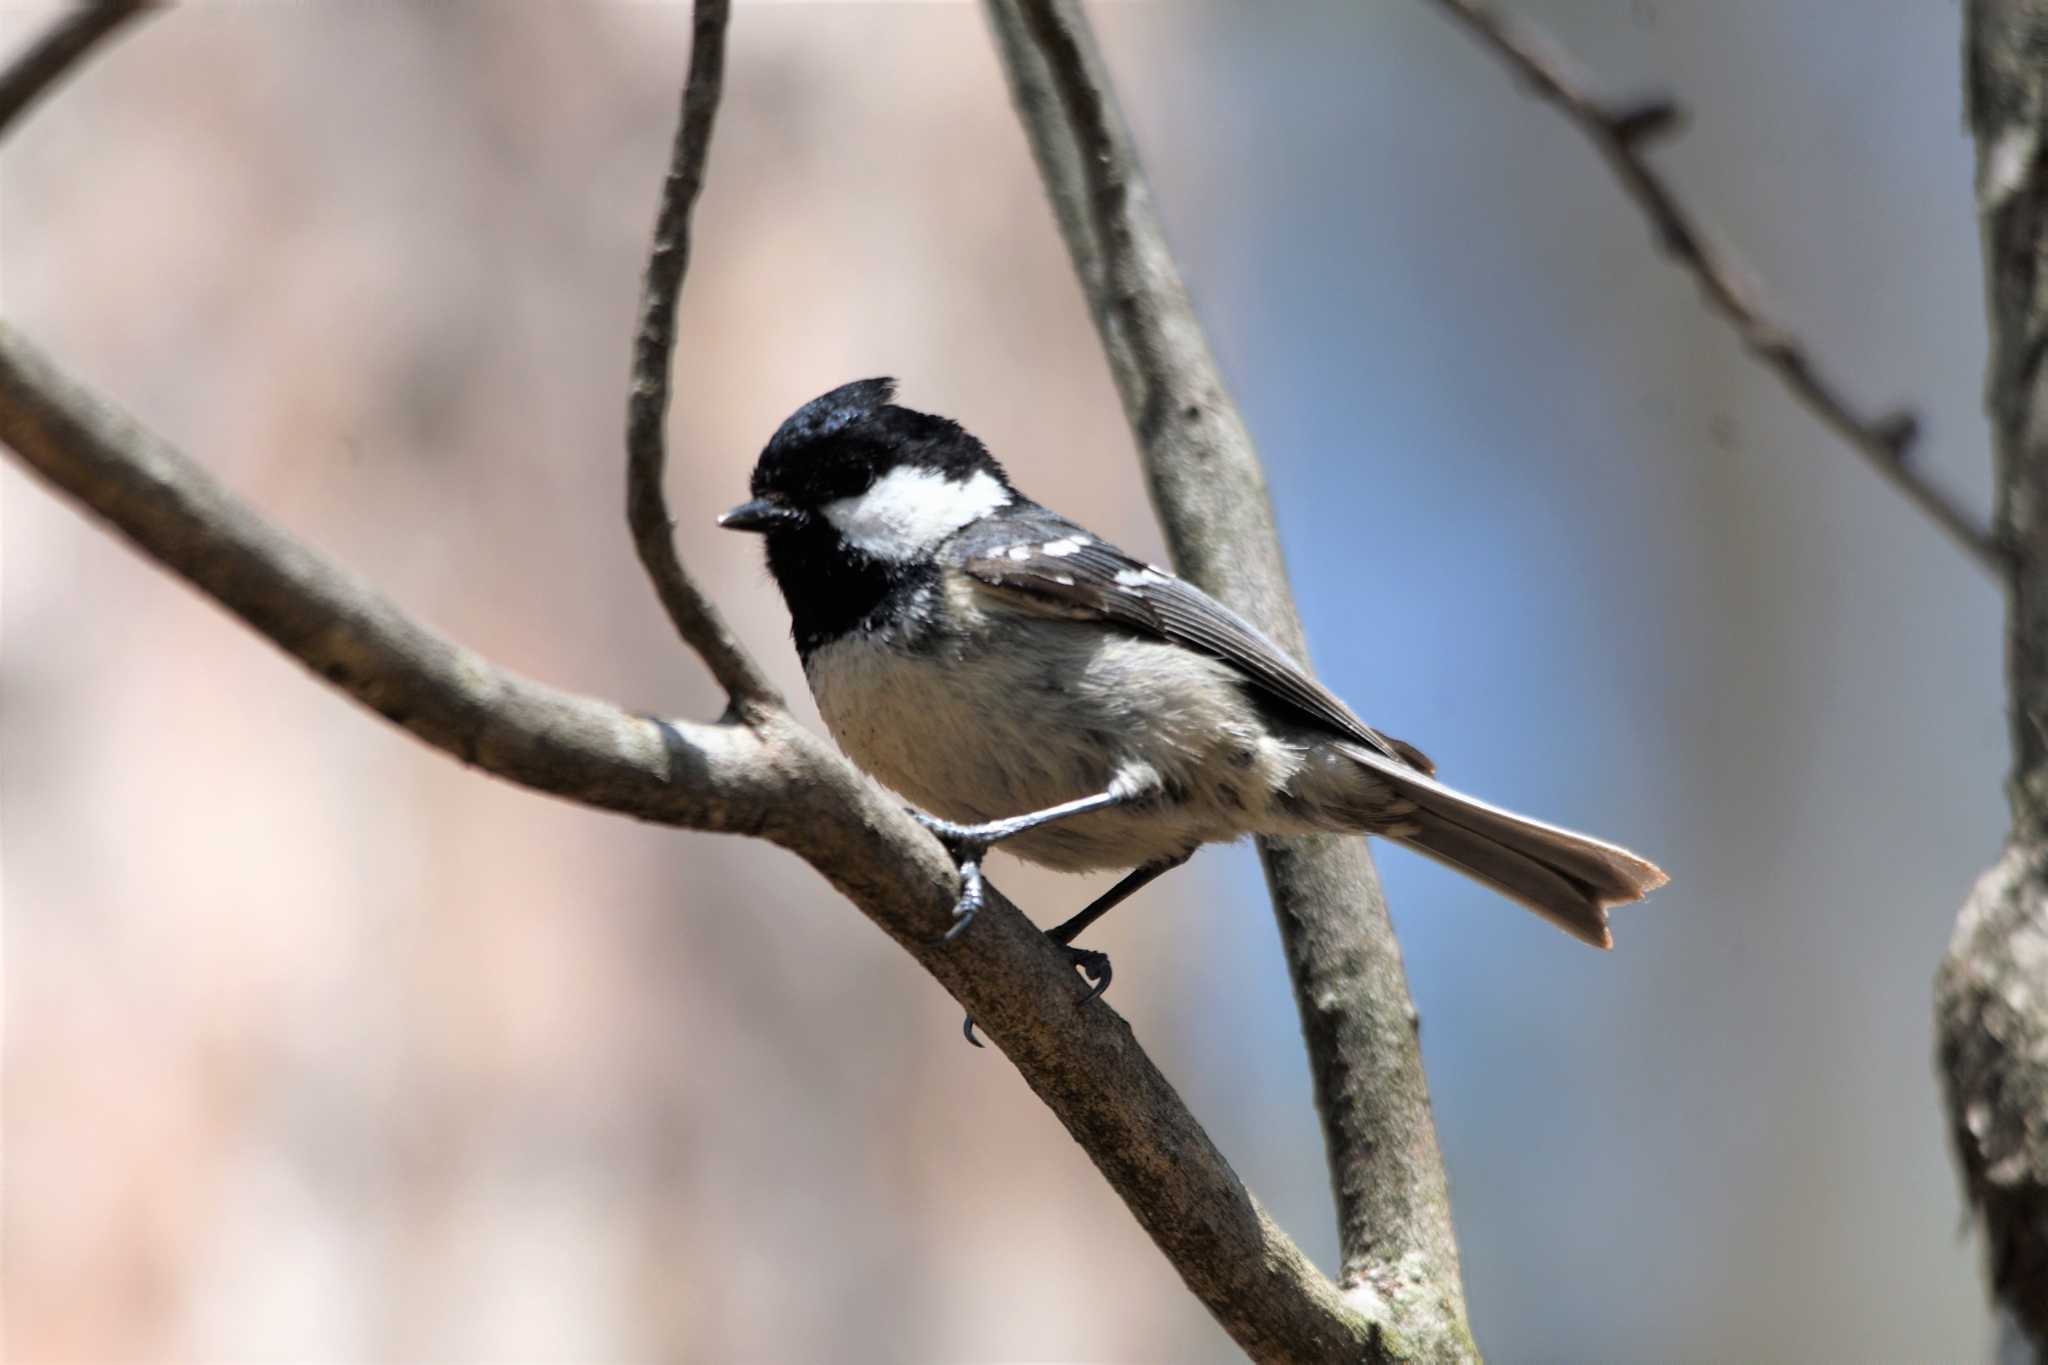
(855, 496)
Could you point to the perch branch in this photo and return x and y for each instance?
(1623, 132)
(695, 617)
(1358, 1022)
(768, 778)
(774, 780)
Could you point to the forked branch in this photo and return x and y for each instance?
(1623, 133)
(765, 777)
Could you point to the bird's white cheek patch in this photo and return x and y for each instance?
(909, 510)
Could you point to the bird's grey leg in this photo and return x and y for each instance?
(968, 842)
(986, 836)
(1095, 965)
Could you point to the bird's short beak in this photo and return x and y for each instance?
(761, 514)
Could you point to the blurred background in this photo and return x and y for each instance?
(320, 1047)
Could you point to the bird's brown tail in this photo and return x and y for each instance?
(1567, 878)
(1570, 879)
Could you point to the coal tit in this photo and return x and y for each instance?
(1026, 683)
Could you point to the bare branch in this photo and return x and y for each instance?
(1622, 132)
(29, 76)
(1358, 1021)
(772, 779)
(701, 776)
(768, 778)
(696, 619)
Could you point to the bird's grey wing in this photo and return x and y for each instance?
(1045, 564)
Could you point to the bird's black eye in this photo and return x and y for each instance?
(818, 472)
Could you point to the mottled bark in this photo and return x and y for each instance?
(1991, 996)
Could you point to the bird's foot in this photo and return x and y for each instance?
(1091, 964)
(968, 844)
(973, 893)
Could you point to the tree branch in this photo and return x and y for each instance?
(1394, 1218)
(1622, 132)
(767, 777)
(1991, 995)
(30, 75)
(773, 779)
(696, 619)
(700, 776)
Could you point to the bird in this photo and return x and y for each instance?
(1023, 682)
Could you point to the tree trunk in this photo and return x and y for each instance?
(1991, 996)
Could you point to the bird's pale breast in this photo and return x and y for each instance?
(1061, 710)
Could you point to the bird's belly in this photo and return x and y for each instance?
(1060, 711)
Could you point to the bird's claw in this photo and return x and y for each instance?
(967, 844)
(1091, 964)
(973, 892)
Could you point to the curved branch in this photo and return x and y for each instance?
(1621, 133)
(772, 779)
(1400, 1254)
(695, 618)
(768, 777)
(30, 75)
(675, 772)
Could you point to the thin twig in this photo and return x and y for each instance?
(31, 74)
(1400, 1256)
(695, 617)
(1622, 131)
